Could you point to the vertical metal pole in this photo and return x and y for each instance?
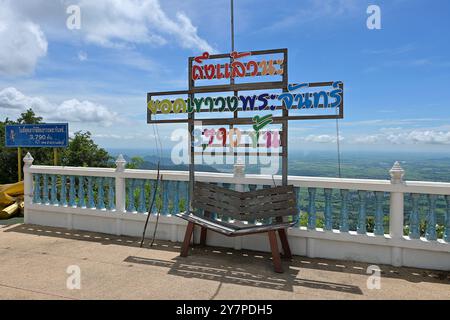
(191, 118)
(284, 169)
(232, 26)
(55, 156)
(235, 113)
(19, 163)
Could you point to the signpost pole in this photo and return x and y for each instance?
(55, 156)
(19, 163)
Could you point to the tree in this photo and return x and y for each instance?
(29, 117)
(135, 163)
(8, 156)
(83, 152)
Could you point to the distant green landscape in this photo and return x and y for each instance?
(358, 165)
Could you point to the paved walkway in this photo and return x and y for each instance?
(34, 262)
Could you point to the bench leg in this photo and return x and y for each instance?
(187, 239)
(275, 252)
(285, 243)
(203, 236)
(207, 214)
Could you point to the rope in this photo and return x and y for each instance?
(338, 145)
(150, 209)
(158, 151)
(159, 210)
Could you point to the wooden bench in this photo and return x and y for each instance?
(267, 204)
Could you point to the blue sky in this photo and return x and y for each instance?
(96, 78)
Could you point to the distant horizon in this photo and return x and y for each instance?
(167, 151)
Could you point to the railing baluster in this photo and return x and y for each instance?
(328, 210)
(431, 218)
(71, 191)
(100, 194)
(111, 191)
(166, 188)
(81, 193)
(361, 228)
(343, 225)
(130, 189)
(53, 197)
(91, 203)
(379, 227)
(45, 189)
(176, 198)
(414, 222)
(141, 203)
(226, 218)
(186, 189)
(37, 188)
(447, 220)
(170, 201)
(252, 187)
(299, 206)
(266, 220)
(63, 193)
(312, 208)
(155, 205)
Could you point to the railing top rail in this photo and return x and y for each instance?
(422, 187)
(74, 171)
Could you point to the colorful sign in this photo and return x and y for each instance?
(233, 138)
(293, 99)
(53, 135)
(235, 68)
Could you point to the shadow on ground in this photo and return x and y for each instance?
(244, 267)
(261, 277)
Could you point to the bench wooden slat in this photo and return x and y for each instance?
(267, 199)
(231, 230)
(268, 191)
(269, 214)
(218, 201)
(257, 204)
(217, 210)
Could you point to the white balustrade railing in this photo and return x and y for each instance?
(360, 211)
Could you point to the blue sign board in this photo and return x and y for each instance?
(55, 135)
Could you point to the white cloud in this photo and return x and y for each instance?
(323, 138)
(82, 56)
(22, 43)
(128, 136)
(71, 110)
(118, 23)
(107, 23)
(391, 51)
(313, 10)
(407, 137)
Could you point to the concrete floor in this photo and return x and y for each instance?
(34, 261)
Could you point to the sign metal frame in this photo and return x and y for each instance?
(236, 120)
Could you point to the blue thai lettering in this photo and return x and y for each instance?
(317, 96)
(263, 98)
(336, 94)
(287, 98)
(248, 100)
(303, 101)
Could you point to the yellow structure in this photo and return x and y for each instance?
(11, 199)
